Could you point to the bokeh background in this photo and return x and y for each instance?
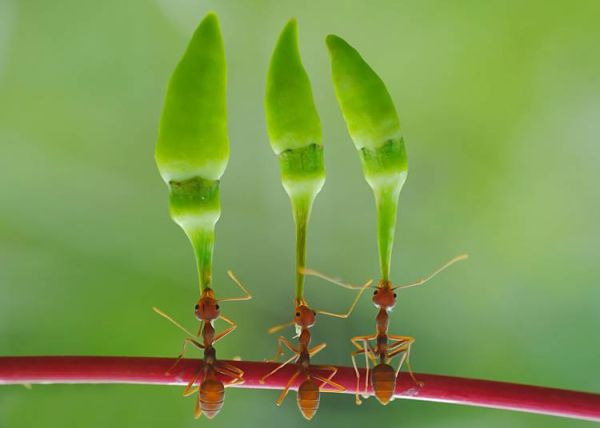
(500, 105)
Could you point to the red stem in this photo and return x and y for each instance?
(144, 370)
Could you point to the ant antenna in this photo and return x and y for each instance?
(434, 273)
(280, 327)
(347, 314)
(330, 279)
(182, 328)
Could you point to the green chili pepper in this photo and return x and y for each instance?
(295, 134)
(193, 146)
(374, 127)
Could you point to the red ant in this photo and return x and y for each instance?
(309, 390)
(383, 376)
(211, 391)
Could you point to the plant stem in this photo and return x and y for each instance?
(386, 200)
(446, 389)
(203, 241)
(301, 207)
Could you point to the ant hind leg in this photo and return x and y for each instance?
(286, 389)
(327, 380)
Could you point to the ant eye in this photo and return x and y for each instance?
(217, 306)
(394, 295)
(297, 314)
(196, 307)
(375, 292)
(315, 313)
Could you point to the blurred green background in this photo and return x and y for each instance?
(500, 106)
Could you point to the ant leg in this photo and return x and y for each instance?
(247, 296)
(368, 355)
(353, 356)
(197, 410)
(401, 338)
(329, 279)
(276, 369)
(408, 341)
(402, 359)
(232, 368)
(400, 350)
(314, 351)
(227, 330)
(236, 378)
(365, 340)
(400, 341)
(286, 389)
(288, 345)
(419, 383)
(189, 389)
(236, 371)
(367, 367)
(336, 386)
(406, 356)
(347, 314)
(328, 381)
(186, 342)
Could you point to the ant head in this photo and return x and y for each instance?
(304, 316)
(207, 308)
(384, 296)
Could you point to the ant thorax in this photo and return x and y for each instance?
(210, 355)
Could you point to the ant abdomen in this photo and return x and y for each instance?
(383, 379)
(212, 395)
(308, 398)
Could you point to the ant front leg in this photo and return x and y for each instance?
(227, 330)
(314, 351)
(282, 340)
